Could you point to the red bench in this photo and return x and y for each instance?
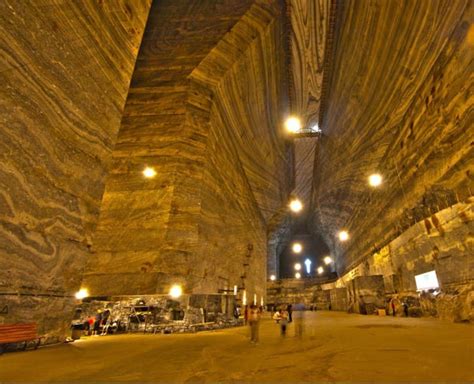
(18, 333)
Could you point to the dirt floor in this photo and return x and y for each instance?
(333, 346)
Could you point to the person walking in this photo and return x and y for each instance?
(253, 321)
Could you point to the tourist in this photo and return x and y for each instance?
(253, 320)
(97, 323)
(392, 303)
(405, 309)
(277, 316)
(299, 316)
(290, 312)
(283, 321)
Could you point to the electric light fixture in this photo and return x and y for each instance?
(327, 260)
(298, 275)
(296, 205)
(82, 294)
(375, 180)
(176, 291)
(272, 277)
(320, 270)
(343, 235)
(297, 248)
(297, 266)
(149, 172)
(293, 124)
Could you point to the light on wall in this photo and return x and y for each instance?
(320, 270)
(244, 297)
(297, 275)
(254, 299)
(327, 260)
(82, 294)
(272, 277)
(149, 172)
(293, 124)
(176, 291)
(307, 262)
(297, 266)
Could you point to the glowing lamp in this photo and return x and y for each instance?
(254, 299)
(82, 294)
(307, 263)
(176, 291)
(272, 277)
(298, 266)
(235, 290)
(343, 235)
(320, 270)
(296, 205)
(244, 298)
(298, 275)
(149, 172)
(375, 180)
(293, 124)
(297, 248)
(327, 260)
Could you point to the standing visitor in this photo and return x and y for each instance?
(283, 321)
(299, 315)
(393, 307)
(253, 319)
(97, 323)
(290, 313)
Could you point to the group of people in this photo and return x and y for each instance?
(283, 316)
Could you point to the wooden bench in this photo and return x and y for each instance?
(18, 333)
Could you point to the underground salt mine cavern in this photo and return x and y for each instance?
(236, 191)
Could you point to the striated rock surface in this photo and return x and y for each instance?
(65, 69)
(204, 112)
(399, 103)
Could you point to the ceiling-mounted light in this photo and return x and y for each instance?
(375, 180)
(293, 124)
(343, 235)
(327, 260)
(296, 205)
(297, 248)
